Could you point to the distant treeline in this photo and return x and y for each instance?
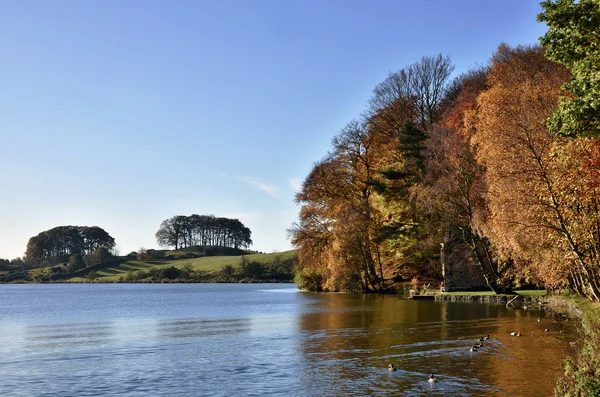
(60, 243)
(203, 230)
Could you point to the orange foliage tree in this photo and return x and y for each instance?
(541, 193)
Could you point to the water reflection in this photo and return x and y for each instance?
(200, 328)
(265, 340)
(350, 340)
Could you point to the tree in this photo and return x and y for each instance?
(415, 92)
(358, 216)
(542, 189)
(75, 263)
(322, 193)
(169, 234)
(58, 244)
(573, 40)
(403, 110)
(411, 145)
(100, 255)
(454, 186)
(203, 230)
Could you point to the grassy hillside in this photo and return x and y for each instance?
(189, 266)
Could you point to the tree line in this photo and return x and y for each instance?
(82, 246)
(60, 243)
(203, 230)
(500, 164)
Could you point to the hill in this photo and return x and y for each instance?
(188, 265)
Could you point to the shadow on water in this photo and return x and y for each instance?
(350, 340)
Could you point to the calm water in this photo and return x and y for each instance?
(265, 340)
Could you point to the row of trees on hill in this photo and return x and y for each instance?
(480, 163)
(60, 243)
(203, 230)
(82, 245)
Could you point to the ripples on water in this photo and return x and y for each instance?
(263, 340)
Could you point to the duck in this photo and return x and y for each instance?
(479, 344)
(474, 348)
(431, 379)
(547, 329)
(516, 333)
(486, 337)
(391, 367)
(539, 320)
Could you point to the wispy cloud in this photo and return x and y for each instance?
(268, 188)
(295, 184)
(271, 190)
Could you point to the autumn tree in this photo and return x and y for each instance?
(357, 149)
(358, 212)
(454, 188)
(415, 91)
(404, 108)
(338, 235)
(323, 192)
(541, 191)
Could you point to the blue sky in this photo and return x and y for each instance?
(122, 113)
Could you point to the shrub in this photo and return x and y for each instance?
(155, 254)
(143, 256)
(130, 276)
(310, 280)
(141, 274)
(170, 273)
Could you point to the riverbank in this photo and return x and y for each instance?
(526, 297)
(581, 375)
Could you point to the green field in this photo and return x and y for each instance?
(119, 268)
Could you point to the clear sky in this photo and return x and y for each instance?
(123, 113)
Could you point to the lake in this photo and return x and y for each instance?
(266, 340)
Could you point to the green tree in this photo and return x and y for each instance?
(170, 273)
(411, 145)
(75, 263)
(203, 230)
(58, 244)
(573, 39)
(100, 255)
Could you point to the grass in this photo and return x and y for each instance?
(113, 272)
(581, 374)
(469, 293)
(525, 293)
